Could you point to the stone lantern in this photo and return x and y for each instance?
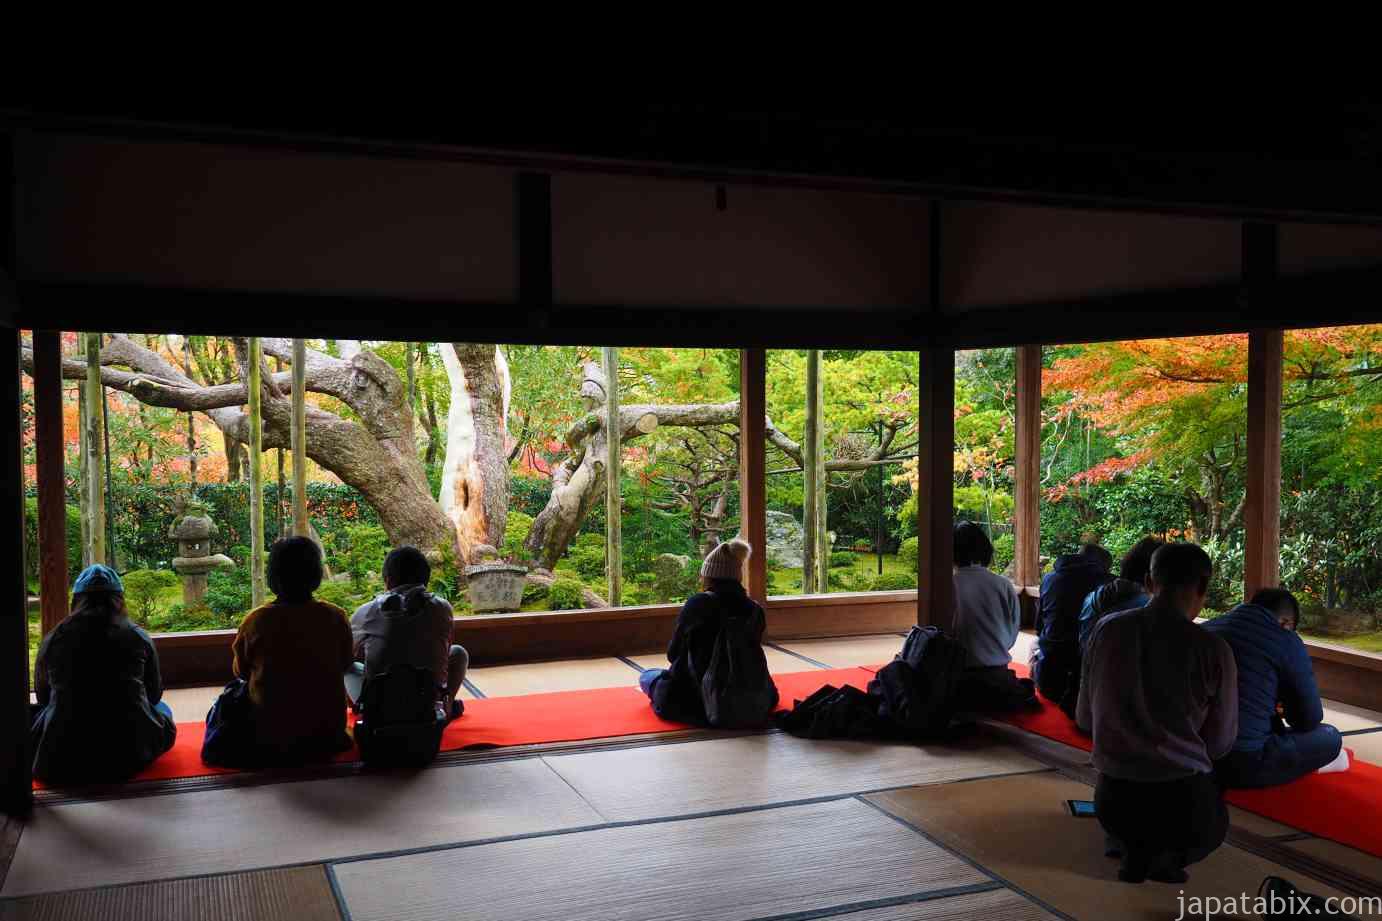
(193, 532)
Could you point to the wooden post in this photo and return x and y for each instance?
(1027, 504)
(301, 524)
(753, 507)
(614, 506)
(16, 782)
(822, 486)
(1262, 511)
(936, 488)
(258, 592)
(810, 505)
(94, 424)
(52, 493)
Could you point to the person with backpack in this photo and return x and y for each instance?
(1056, 660)
(100, 717)
(1129, 590)
(407, 626)
(718, 675)
(987, 620)
(287, 704)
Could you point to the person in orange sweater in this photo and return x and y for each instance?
(292, 653)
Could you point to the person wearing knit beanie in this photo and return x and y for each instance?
(726, 561)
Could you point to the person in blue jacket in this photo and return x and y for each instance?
(1124, 593)
(1056, 660)
(1273, 666)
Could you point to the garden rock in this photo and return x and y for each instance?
(786, 540)
(667, 570)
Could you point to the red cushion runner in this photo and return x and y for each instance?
(1345, 807)
(561, 716)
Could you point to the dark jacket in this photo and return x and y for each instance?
(1063, 591)
(97, 721)
(677, 695)
(1272, 666)
(1109, 598)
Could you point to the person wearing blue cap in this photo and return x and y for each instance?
(100, 717)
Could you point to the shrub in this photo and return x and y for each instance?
(566, 595)
(73, 527)
(907, 553)
(533, 592)
(446, 582)
(841, 559)
(144, 588)
(228, 591)
(588, 562)
(345, 595)
(1004, 547)
(894, 582)
(359, 552)
(178, 619)
(516, 530)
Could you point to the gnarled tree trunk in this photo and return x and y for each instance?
(475, 474)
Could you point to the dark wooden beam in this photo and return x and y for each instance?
(535, 244)
(753, 507)
(51, 475)
(1027, 499)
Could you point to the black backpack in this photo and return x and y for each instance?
(736, 688)
(918, 688)
(401, 718)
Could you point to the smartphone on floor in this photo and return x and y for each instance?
(1080, 808)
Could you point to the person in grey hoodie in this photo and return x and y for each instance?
(407, 625)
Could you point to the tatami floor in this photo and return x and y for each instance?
(761, 826)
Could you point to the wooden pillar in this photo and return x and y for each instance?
(258, 592)
(49, 463)
(1262, 507)
(1262, 511)
(1027, 501)
(753, 506)
(936, 488)
(301, 524)
(810, 471)
(614, 505)
(94, 425)
(16, 791)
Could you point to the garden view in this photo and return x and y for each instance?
(494, 455)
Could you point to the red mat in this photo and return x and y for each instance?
(495, 722)
(1345, 807)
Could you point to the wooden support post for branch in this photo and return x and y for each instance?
(936, 488)
(614, 507)
(753, 507)
(93, 425)
(1262, 510)
(258, 592)
(810, 471)
(301, 524)
(1027, 501)
(52, 492)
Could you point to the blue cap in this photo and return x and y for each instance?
(98, 578)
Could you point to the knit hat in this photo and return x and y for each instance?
(727, 561)
(98, 578)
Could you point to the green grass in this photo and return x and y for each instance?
(1363, 642)
(788, 581)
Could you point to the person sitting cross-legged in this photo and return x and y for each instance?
(407, 625)
(987, 621)
(100, 717)
(1160, 696)
(1055, 661)
(1273, 666)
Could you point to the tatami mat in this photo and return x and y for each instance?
(1348, 718)
(1258, 825)
(189, 705)
(107, 842)
(1022, 649)
(846, 651)
(705, 776)
(1019, 829)
(719, 868)
(541, 677)
(996, 903)
(294, 894)
(778, 662)
(1366, 745)
(1341, 855)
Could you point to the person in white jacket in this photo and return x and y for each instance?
(987, 620)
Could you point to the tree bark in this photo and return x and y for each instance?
(302, 525)
(614, 510)
(256, 440)
(94, 426)
(475, 476)
(810, 473)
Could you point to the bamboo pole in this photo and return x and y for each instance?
(83, 475)
(301, 525)
(258, 593)
(614, 538)
(822, 486)
(95, 453)
(810, 473)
